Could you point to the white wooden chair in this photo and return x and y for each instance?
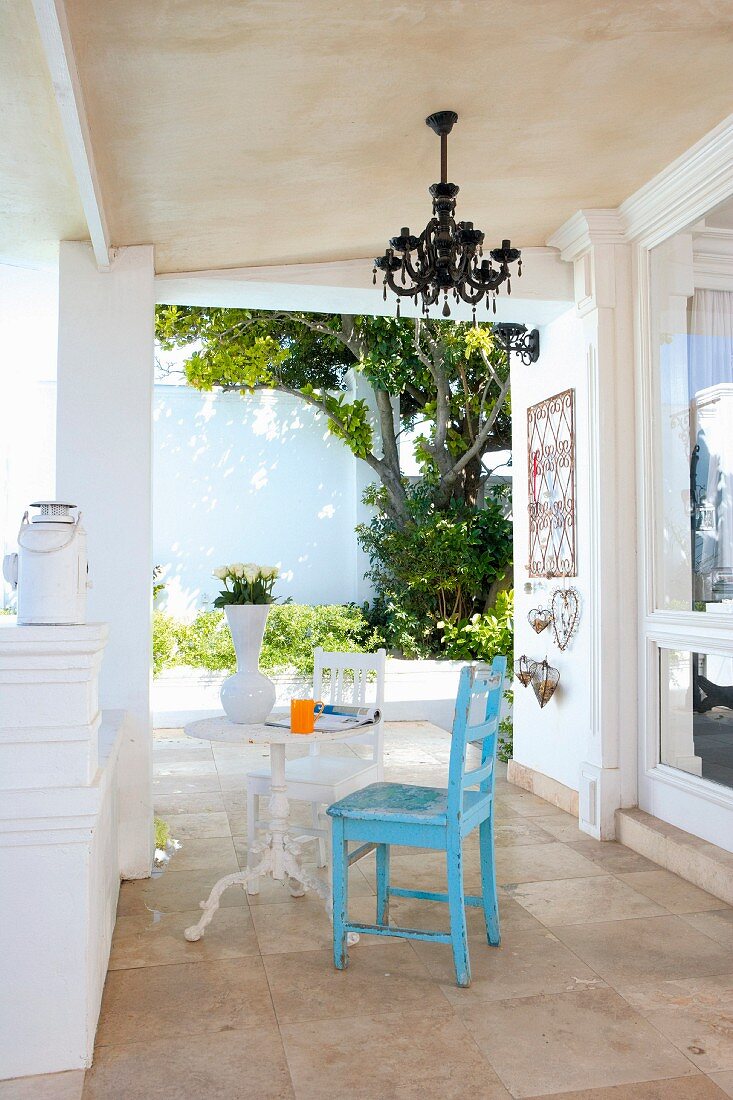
(356, 679)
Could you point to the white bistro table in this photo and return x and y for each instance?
(280, 854)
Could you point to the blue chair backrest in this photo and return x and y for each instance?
(476, 682)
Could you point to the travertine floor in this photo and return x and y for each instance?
(614, 979)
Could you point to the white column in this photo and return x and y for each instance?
(59, 870)
(594, 242)
(104, 430)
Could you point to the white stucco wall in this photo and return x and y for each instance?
(256, 478)
(552, 740)
(28, 334)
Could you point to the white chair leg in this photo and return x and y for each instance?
(253, 858)
(318, 824)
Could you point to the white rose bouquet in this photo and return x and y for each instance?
(245, 582)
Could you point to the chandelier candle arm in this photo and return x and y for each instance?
(448, 255)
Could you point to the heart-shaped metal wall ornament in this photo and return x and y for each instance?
(565, 607)
(545, 679)
(523, 670)
(539, 619)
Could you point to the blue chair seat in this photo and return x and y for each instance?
(381, 815)
(403, 802)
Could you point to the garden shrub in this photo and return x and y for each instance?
(443, 567)
(292, 633)
(482, 637)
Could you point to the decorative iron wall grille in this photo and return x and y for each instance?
(551, 471)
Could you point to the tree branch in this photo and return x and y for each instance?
(450, 478)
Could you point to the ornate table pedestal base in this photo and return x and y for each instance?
(281, 856)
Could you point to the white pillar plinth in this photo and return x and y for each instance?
(59, 861)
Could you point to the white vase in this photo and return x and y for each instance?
(248, 696)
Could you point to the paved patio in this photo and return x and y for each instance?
(614, 979)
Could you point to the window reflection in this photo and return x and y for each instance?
(697, 714)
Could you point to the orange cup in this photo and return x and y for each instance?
(303, 714)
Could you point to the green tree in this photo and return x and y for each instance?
(450, 379)
(439, 550)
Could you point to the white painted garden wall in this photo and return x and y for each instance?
(256, 478)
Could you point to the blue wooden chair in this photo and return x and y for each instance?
(383, 814)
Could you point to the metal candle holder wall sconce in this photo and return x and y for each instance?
(539, 618)
(545, 679)
(565, 612)
(523, 670)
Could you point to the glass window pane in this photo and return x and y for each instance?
(693, 341)
(696, 714)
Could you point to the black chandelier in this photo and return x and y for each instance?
(447, 256)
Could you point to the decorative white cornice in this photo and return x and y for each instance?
(687, 189)
(586, 229)
(712, 257)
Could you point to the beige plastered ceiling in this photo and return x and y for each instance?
(249, 132)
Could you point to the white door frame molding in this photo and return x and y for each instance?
(685, 192)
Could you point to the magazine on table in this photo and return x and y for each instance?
(334, 716)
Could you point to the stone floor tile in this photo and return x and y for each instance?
(671, 891)
(168, 785)
(526, 964)
(520, 831)
(156, 939)
(696, 1014)
(304, 925)
(46, 1086)
(413, 1056)
(724, 1081)
(273, 892)
(387, 977)
(203, 802)
(628, 951)
(541, 863)
(203, 826)
(183, 1000)
(718, 924)
(570, 1041)
(563, 828)
(230, 1065)
(194, 769)
(612, 857)
(216, 855)
(433, 916)
(177, 749)
(582, 900)
(698, 1087)
(174, 893)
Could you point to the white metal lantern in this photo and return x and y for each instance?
(50, 569)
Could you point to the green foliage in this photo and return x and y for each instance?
(483, 636)
(164, 641)
(292, 633)
(505, 745)
(158, 586)
(162, 833)
(435, 574)
(310, 354)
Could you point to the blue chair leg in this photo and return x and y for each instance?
(457, 910)
(340, 882)
(382, 884)
(488, 880)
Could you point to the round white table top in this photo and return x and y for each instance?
(232, 733)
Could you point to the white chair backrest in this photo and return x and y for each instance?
(355, 679)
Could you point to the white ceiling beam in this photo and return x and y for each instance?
(59, 51)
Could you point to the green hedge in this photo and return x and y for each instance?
(292, 633)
